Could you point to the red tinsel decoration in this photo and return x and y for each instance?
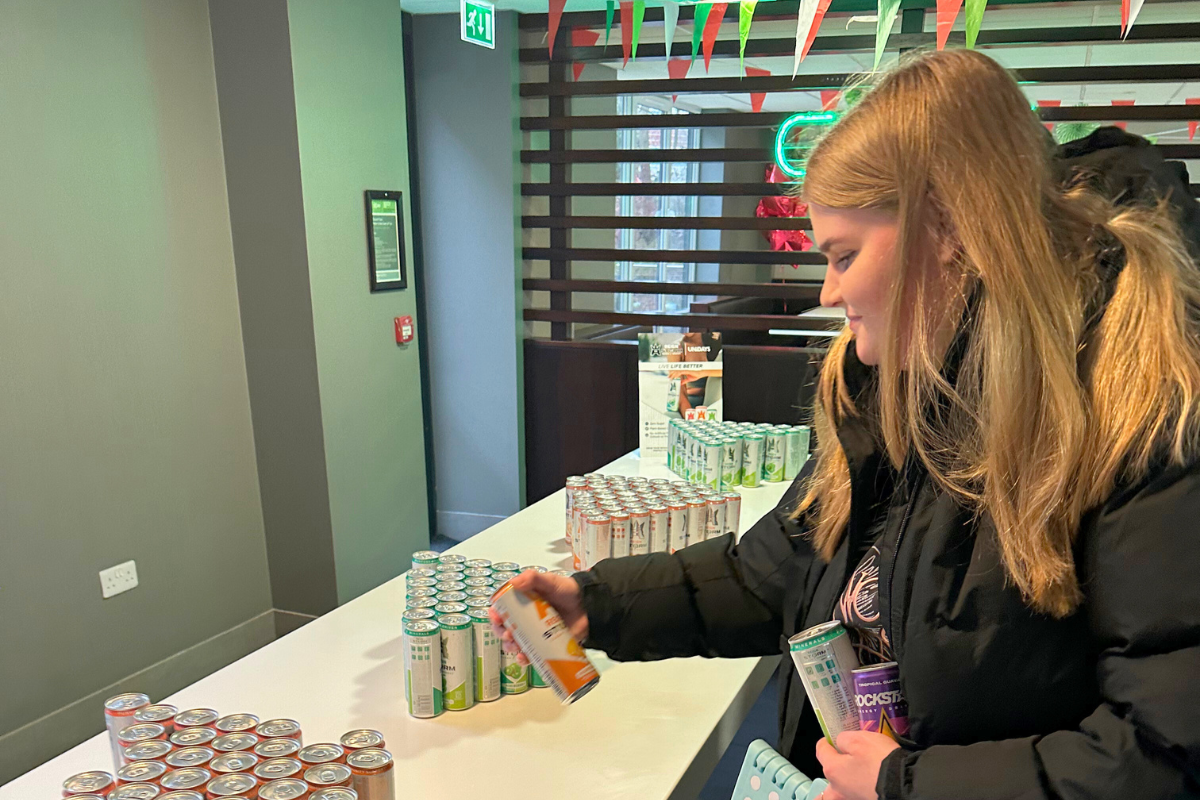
(782, 206)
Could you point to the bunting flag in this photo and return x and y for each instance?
(947, 12)
(712, 26)
(745, 19)
(830, 98)
(1122, 125)
(699, 18)
(1049, 104)
(807, 23)
(626, 29)
(974, 20)
(670, 23)
(678, 68)
(556, 9)
(1129, 12)
(1194, 124)
(609, 9)
(756, 98)
(888, 9)
(582, 37)
(639, 13)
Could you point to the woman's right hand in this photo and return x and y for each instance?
(561, 592)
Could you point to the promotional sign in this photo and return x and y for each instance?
(679, 377)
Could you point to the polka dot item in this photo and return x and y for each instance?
(766, 775)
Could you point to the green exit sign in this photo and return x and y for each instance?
(478, 21)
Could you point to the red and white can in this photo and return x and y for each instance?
(374, 773)
(575, 483)
(677, 520)
(714, 525)
(362, 739)
(621, 525)
(139, 732)
(697, 520)
(118, 715)
(331, 774)
(733, 513)
(97, 782)
(659, 534)
(161, 713)
(639, 529)
(597, 538)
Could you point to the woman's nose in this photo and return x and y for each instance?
(831, 294)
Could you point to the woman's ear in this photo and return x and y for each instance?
(943, 235)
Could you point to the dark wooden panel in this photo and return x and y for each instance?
(1158, 73)
(673, 223)
(800, 290)
(710, 322)
(581, 410)
(679, 256)
(651, 189)
(726, 154)
(770, 384)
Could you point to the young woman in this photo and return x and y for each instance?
(1006, 494)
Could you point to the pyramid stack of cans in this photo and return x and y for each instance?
(452, 656)
(722, 455)
(609, 516)
(162, 753)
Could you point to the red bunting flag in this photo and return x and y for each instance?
(1194, 124)
(1122, 125)
(947, 12)
(830, 98)
(808, 20)
(582, 37)
(556, 9)
(626, 29)
(678, 68)
(756, 98)
(1129, 12)
(712, 26)
(1049, 104)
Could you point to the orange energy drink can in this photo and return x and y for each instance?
(545, 640)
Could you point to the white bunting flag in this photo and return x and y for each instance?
(670, 22)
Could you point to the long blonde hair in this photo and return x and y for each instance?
(1049, 410)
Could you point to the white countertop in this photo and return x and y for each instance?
(651, 730)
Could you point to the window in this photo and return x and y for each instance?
(661, 170)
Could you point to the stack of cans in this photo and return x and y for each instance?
(162, 753)
(725, 454)
(609, 516)
(452, 657)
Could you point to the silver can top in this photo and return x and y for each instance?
(277, 748)
(277, 729)
(125, 704)
(421, 627)
(323, 752)
(283, 789)
(505, 566)
(236, 723)
(149, 750)
(370, 759)
(135, 791)
(186, 778)
(327, 774)
(451, 558)
(422, 572)
(140, 732)
(235, 785)
(189, 757)
(480, 591)
(361, 738)
(334, 793)
(425, 556)
(418, 613)
(276, 768)
(181, 794)
(477, 563)
(156, 712)
(230, 742)
(477, 602)
(240, 761)
(96, 781)
(141, 772)
(196, 717)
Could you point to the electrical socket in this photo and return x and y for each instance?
(120, 578)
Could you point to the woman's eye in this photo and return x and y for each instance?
(843, 263)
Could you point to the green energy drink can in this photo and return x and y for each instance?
(774, 455)
(423, 668)
(487, 655)
(797, 451)
(536, 681)
(752, 459)
(458, 679)
(514, 676)
(424, 558)
(825, 660)
(731, 465)
(714, 464)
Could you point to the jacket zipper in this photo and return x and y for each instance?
(908, 509)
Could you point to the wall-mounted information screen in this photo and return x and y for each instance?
(385, 240)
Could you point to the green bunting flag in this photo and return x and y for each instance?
(639, 13)
(745, 19)
(699, 18)
(974, 20)
(888, 9)
(610, 8)
(670, 22)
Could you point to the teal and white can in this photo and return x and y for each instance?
(423, 668)
(774, 455)
(673, 387)
(536, 681)
(487, 655)
(424, 558)
(752, 459)
(458, 680)
(825, 659)
(514, 676)
(731, 465)
(714, 464)
(797, 451)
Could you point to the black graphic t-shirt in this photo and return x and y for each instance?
(858, 610)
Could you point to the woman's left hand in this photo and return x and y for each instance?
(853, 773)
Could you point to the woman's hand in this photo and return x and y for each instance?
(559, 591)
(853, 773)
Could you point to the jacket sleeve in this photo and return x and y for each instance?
(1141, 574)
(713, 599)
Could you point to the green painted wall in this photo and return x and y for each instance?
(348, 71)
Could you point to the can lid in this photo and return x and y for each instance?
(451, 586)
(477, 563)
(731, 495)
(422, 591)
(141, 732)
(141, 771)
(283, 789)
(276, 768)
(476, 602)
(451, 558)
(422, 602)
(425, 555)
(135, 791)
(418, 613)
(415, 583)
(456, 621)
(361, 738)
(715, 499)
(452, 597)
(480, 591)
(235, 723)
(95, 781)
(421, 627)
(334, 793)
(157, 712)
(125, 704)
(230, 742)
(478, 572)
(276, 748)
(232, 785)
(483, 580)
(181, 794)
(886, 665)
(505, 566)
(421, 572)
(328, 751)
(240, 761)
(189, 757)
(196, 717)
(480, 614)
(444, 609)
(277, 729)
(149, 750)
(186, 778)
(369, 760)
(327, 774)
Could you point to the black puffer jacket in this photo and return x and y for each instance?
(1003, 702)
